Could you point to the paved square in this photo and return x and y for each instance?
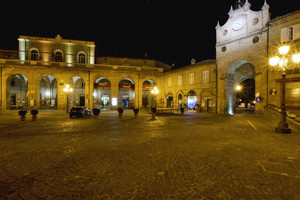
(196, 156)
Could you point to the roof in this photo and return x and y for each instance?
(58, 38)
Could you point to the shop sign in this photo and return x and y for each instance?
(148, 87)
(126, 86)
(102, 85)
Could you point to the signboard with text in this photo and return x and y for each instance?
(102, 85)
(126, 86)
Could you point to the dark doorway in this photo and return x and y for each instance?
(82, 102)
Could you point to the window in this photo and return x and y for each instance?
(290, 33)
(58, 56)
(179, 79)
(81, 57)
(191, 78)
(169, 81)
(205, 76)
(34, 54)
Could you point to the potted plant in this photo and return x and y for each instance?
(182, 111)
(34, 114)
(136, 112)
(120, 111)
(96, 113)
(22, 114)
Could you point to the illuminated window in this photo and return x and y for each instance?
(81, 57)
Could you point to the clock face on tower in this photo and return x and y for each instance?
(239, 24)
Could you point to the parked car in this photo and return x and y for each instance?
(79, 111)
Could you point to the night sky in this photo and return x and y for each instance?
(170, 31)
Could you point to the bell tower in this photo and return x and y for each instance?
(241, 52)
(238, 4)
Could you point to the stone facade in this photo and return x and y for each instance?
(198, 78)
(244, 45)
(241, 43)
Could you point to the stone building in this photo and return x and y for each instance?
(241, 53)
(36, 75)
(284, 30)
(244, 45)
(192, 86)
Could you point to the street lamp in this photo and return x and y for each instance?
(154, 92)
(67, 90)
(283, 62)
(238, 87)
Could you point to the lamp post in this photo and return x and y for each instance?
(283, 62)
(67, 90)
(154, 92)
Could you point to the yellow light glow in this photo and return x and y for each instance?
(282, 62)
(67, 86)
(65, 89)
(296, 58)
(274, 61)
(71, 90)
(155, 91)
(238, 87)
(284, 50)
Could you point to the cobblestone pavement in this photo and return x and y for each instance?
(196, 156)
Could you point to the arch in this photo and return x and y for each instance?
(169, 97)
(236, 73)
(16, 92)
(191, 100)
(81, 57)
(102, 93)
(147, 86)
(126, 81)
(180, 100)
(77, 96)
(58, 55)
(126, 93)
(33, 54)
(48, 92)
(207, 100)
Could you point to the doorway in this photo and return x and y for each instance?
(82, 102)
(192, 100)
(238, 72)
(125, 101)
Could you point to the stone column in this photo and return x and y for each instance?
(61, 97)
(114, 92)
(32, 95)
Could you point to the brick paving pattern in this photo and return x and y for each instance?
(196, 156)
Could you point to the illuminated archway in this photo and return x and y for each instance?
(16, 92)
(148, 85)
(102, 94)
(48, 92)
(237, 73)
(77, 96)
(126, 93)
(191, 100)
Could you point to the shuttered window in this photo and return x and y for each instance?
(179, 79)
(191, 78)
(205, 76)
(169, 81)
(290, 33)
